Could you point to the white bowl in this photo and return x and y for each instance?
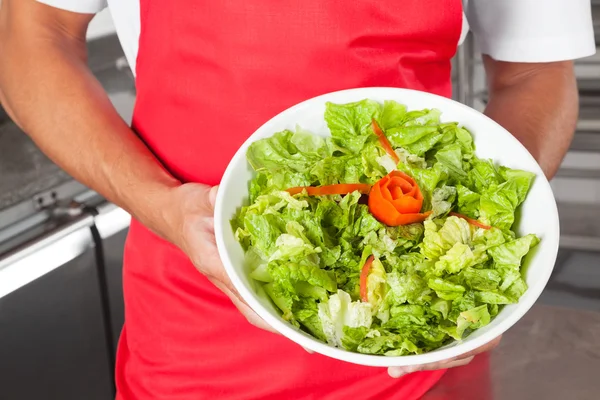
(539, 215)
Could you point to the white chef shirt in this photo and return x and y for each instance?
(507, 30)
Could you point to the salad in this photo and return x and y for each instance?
(390, 237)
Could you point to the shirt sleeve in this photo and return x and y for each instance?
(532, 30)
(78, 6)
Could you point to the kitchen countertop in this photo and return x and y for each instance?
(24, 170)
(553, 353)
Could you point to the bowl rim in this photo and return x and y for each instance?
(441, 354)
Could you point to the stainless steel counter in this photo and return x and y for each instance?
(24, 170)
(553, 353)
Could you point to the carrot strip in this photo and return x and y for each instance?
(383, 140)
(471, 220)
(407, 219)
(364, 274)
(341, 188)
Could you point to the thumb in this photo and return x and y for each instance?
(212, 196)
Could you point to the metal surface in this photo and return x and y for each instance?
(579, 173)
(40, 256)
(586, 243)
(586, 141)
(24, 169)
(28, 207)
(111, 220)
(113, 249)
(109, 233)
(462, 79)
(581, 231)
(52, 342)
(551, 354)
(464, 63)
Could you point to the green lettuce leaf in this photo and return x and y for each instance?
(460, 304)
(522, 180)
(507, 259)
(376, 285)
(472, 319)
(499, 203)
(442, 306)
(407, 288)
(352, 337)
(372, 169)
(457, 258)
(339, 312)
(350, 124)
(406, 317)
(511, 253)
(446, 290)
(468, 202)
(493, 297)
(427, 179)
(388, 344)
(423, 117)
(278, 152)
(306, 312)
(442, 200)
(392, 115)
(481, 279)
(341, 169)
(438, 240)
(415, 139)
(284, 300)
(309, 145)
(450, 157)
(483, 175)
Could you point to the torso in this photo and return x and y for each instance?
(208, 74)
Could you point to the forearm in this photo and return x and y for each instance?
(539, 106)
(53, 96)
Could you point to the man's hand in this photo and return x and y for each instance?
(194, 234)
(397, 372)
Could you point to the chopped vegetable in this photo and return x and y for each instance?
(397, 200)
(384, 142)
(363, 278)
(341, 188)
(470, 220)
(401, 274)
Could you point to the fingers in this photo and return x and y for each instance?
(199, 244)
(241, 305)
(247, 312)
(212, 196)
(397, 372)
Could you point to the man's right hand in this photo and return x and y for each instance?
(193, 232)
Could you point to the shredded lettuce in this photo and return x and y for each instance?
(429, 283)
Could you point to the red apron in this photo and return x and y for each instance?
(208, 74)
